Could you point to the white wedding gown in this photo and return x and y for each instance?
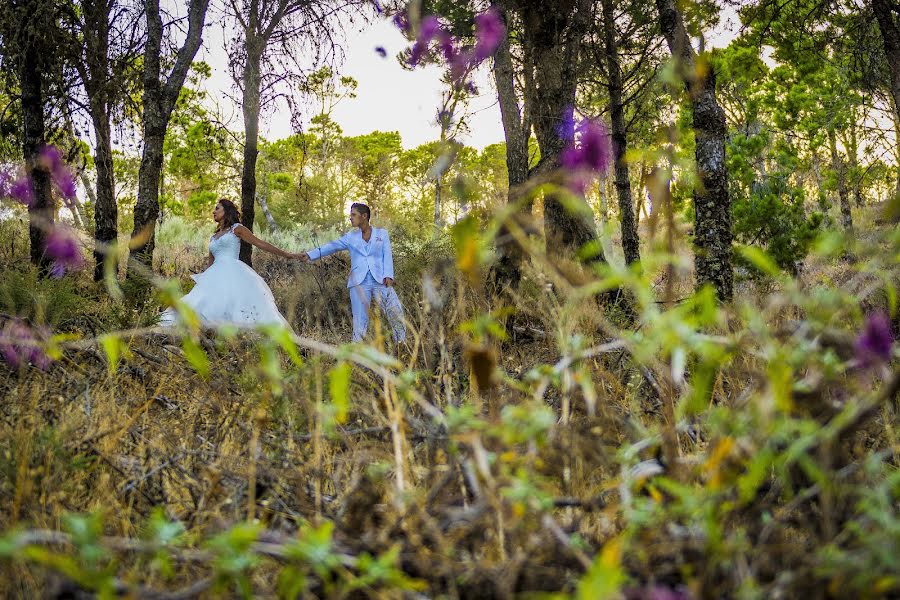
(229, 292)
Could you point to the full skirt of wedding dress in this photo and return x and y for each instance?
(230, 293)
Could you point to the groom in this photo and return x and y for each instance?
(371, 272)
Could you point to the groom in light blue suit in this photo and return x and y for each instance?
(371, 272)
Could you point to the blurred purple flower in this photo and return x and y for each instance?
(380, 51)
(50, 158)
(65, 182)
(489, 32)
(459, 66)
(22, 190)
(19, 345)
(657, 592)
(401, 21)
(62, 246)
(471, 88)
(445, 43)
(565, 130)
(378, 8)
(874, 343)
(593, 152)
(429, 28)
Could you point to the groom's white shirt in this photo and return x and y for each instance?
(374, 256)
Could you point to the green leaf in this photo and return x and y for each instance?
(195, 356)
(339, 389)
(605, 576)
(112, 346)
(759, 259)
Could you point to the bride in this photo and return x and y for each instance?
(229, 292)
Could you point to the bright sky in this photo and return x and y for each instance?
(389, 97)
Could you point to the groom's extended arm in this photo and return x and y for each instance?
(388, 260)
(329, 248)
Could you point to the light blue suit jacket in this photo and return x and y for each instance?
(374, 256)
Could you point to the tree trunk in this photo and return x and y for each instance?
(890, 36)
(712, 206)
(630, 240)
(95, 73)
(41, 213)
(511, 255)
(250, 105)
(159, 100)
(837, 165)
(854, 174)
(273, 226)
(105, 210)
(553, 35)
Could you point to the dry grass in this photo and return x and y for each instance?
(220, 450)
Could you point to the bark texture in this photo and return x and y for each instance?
(840, 172)
(553, 37)
(159, 100)
(886, 15)
(712, 206)
(630, 240)
(511, 255)
(95, 73)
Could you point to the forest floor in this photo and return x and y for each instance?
(515, 490)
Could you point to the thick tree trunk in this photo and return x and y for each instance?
(159, 100)
(837, 165)
(712, 206)
(890, 36)
(95, 73)
(250, 107)
(553, 35)
(41, 213)
(511, 255)
(630, 240)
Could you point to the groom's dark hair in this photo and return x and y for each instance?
(362, 209)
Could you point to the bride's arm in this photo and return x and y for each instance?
(247, 236)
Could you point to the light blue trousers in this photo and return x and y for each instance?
(386, 298)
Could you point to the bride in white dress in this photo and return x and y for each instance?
(229, 292)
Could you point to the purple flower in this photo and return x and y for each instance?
(22, 190)
(50, 158)
(445, 43)
(378, 8)
(657, 592)
(459, 66)
(20, 346)
(874, 343)
(594, 151)
(380, 51)
(401, 21)
(565, 129)
(65, 182)
(489, 32)
(471, 88)
(62, 246)
(429, 28)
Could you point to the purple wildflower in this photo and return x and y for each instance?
(657, 592)
(378, 8)
(459, 65)
(489, 32)
(429, 28)
(471, 89)
(445, 43)
(565, 129)
(62, 246)
(594, 151)
(22, 190)
(380, 51)
(50, 158)
(401, 21)
(20, 346)
(874, 343)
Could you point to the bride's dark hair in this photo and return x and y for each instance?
(232, 214)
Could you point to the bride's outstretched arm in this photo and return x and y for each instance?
(247, 236)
